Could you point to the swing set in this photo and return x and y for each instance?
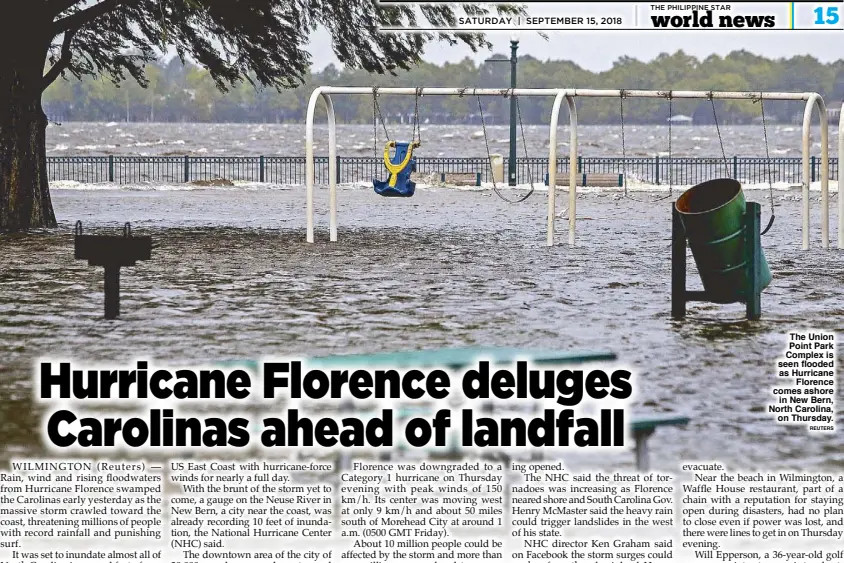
(669, 95)
(402, 162)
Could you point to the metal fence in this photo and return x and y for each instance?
(291, 169)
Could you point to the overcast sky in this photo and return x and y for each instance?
(596, 51)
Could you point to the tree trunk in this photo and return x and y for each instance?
(24, 190)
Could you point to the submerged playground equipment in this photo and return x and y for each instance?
(641, 427)
(112, 252)
(569, 95)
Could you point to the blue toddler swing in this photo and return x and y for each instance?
(401, 163)
(400, 166)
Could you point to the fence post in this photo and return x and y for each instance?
(261, 169)
(579, 164)
(187, 169)
(812, 167)
(656, 165)
(338, 168)
(735, 167)
(111, 168)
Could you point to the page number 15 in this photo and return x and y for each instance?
(828, 15)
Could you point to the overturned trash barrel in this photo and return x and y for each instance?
(712, 214)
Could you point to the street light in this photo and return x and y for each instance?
(514, 60)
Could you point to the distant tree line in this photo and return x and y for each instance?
(186, 93)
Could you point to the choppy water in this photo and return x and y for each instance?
(233, 278)
(239, 139)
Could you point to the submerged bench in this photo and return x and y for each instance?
(642, 427)
(461, 178)
(447, 178)
(590, 180)
(457, 358)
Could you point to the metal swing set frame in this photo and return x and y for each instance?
(813, 100)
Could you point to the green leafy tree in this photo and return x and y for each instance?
(260, 41)
(838, 83)
(179, 96)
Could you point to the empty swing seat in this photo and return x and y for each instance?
(400, 165)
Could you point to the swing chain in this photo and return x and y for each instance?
(720, 139)
(768, 161)
(374, 122)
(670, 96)
(376, 108)
(621, 95)
(486, 142)
(489, 157)
(416, 127)
(378, 116)
(670, 154)
(524, 145)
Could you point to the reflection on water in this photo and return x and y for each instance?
(233, 278)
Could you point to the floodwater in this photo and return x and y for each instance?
(232, 277)
(245, 139)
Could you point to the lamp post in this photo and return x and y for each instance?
(514, 61)
(511, 163)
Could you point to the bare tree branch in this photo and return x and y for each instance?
(61, 64)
